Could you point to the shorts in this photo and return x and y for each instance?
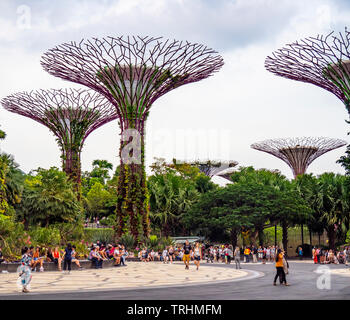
(186, 257)
(198, 258)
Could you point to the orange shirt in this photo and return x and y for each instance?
(279, 262)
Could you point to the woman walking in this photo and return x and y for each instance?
(279, 268)
(25, 270)
(171, 254)
(67, 256)
(197, 255)
(237, 255)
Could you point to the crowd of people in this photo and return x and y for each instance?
(323, 256)
(33, 258)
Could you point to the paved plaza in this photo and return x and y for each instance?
(158, 281)
(133, 276)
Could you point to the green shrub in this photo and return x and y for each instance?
(70, 232)
(103, 234)
(127, 240)
(49, 236)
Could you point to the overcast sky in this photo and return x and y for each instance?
(216, 118)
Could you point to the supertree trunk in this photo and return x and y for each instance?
(71, 165)
(132, 204)
(285, 236)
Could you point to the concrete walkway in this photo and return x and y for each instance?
(133, 276)
(155, 281)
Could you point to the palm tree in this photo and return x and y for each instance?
(170, 196)
(332, 202)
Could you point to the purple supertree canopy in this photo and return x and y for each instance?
(298, 153)
(69, 113)
(323, 61)
(131, 72)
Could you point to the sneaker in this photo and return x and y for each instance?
(25, 290)
(41, 269)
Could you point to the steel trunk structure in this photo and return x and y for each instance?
(298, 153)
(132, 73)
(323, 61)
(70, 114)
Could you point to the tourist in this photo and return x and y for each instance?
(273, 250)
(116, 256)
(279, 269)
(67, 258)
(165, 255)
(74, 258)
(110, 251)
(229, 253)
(246, 254)
(187, 254)
(322, 256)
(211, 254)
(268, 253)
(57, 258)
(171, 254)
(347, 255)
(152, 255)
(124, 254)
(264, 258)
(222, 254)
(144, 255)
(260, 253)
(25, 269)
(237, 256)
(197, 255)
(255, 254)
(37, 259)
(300, 253)
(180, 256)
(95, 258)
(217, 251)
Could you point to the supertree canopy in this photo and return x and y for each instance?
(132, 73)
(323, 61)
(210, 168)
(71, 114)
(298, 153)
(227, 173)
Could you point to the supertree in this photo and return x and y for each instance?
(323, 61)
(210, 168)
(132, 73)
(227, 173)
(298, 153)
(70, 114)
